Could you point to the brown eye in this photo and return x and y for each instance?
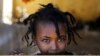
(62, 39)
(46, 40)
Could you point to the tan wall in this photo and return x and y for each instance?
(85, 10)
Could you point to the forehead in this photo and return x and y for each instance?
(49, 28)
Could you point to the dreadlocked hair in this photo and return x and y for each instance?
(50, 14)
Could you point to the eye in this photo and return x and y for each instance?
(62, 39)
(46, 40)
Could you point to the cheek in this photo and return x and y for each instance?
(42, 46)
(62, 46)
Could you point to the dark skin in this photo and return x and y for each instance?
(47, 40)
(48, 26)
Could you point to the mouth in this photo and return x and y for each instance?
(53, 53)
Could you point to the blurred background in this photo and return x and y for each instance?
(13, 12)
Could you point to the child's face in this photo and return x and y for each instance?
(47, 39)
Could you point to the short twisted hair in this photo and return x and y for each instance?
(50, 14)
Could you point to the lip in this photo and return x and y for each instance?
(53, 51)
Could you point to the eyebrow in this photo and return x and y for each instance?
(61, 36)
(45, 37)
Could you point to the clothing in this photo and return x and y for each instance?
(65, 53)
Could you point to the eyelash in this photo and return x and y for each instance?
(46, 40)
(61, 39)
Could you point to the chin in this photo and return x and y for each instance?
(52, 53)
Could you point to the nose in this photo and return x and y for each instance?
(54, 46)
